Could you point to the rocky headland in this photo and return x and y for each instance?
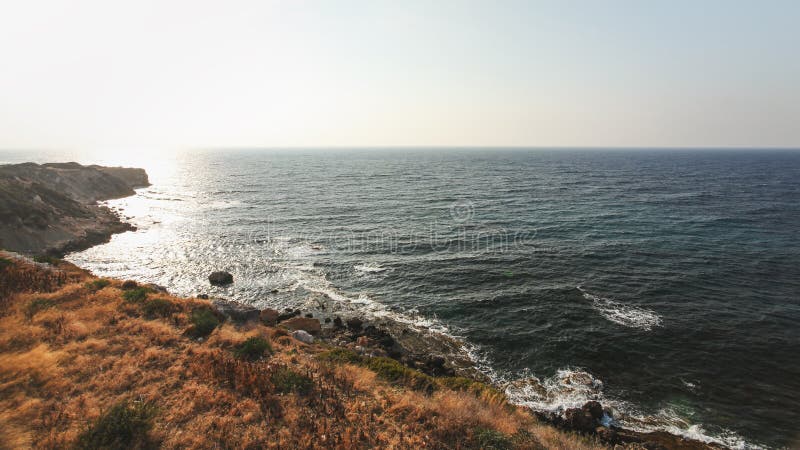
(52, 208)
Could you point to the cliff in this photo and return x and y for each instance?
(50, 208)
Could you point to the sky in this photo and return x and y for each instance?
(155, 75)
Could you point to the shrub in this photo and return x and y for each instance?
(5, 262)
(252, 349)
(203, 322)
(286, 380)
(392, 370)
(492, 440)
(466, 384)
(340, 355)
(96, 285)
(136, 295)
(36, 305)
(125, 425)
(158, 307)
(46, 259)
(129, 284)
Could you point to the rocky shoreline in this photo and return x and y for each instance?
(438, 355)
(51, 209)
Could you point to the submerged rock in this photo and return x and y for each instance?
(220, 278)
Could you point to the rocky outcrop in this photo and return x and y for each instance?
(235, 311)
(306, 324)
(269, 317)
(586, 418)
(50, 208)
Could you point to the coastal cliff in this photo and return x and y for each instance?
(51, 208)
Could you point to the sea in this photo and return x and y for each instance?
(664, 283)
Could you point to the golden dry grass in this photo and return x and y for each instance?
(80, 350)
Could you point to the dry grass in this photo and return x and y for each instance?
(83, 357)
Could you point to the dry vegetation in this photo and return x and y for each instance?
(86, 364)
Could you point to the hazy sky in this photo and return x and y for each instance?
(104, 74)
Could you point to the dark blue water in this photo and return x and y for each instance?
(665, 283)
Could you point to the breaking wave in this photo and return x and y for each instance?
(622, 314)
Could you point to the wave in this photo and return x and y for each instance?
(572, 388)
(369, 268)
(622, 314)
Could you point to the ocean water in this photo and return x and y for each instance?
(665, 283)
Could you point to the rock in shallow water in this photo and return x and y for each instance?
(220, 278)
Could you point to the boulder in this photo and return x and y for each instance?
(586, 418)
(269, 317)
(302, 336)
(288, 314)
(236, 312)
(337, 322)
(303, 323)
(354, 324)
(220, 278)
(594, 408)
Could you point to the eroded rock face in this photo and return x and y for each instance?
(220, 278)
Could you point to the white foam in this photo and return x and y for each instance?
(572, 388)
(622, 314)
(369, 268)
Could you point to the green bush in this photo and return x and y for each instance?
(96, 285)
(125, 425)
(136, 295)
(341, 356)
(158, 307)
(487, 439)
(286, 380)
(5, 262)
(252, 349)
(392, 370)
(36, 305)
(46, 259)
(203, 322)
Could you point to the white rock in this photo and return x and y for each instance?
(303, 336)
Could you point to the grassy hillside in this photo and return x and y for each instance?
(90, 363)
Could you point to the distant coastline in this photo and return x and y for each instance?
(52, 208)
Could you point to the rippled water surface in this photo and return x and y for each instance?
(665, 283)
